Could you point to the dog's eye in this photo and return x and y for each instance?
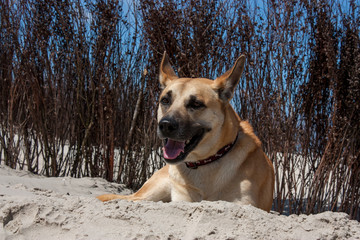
(196, 105)
(165, 101)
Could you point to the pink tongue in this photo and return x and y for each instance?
(172, 149)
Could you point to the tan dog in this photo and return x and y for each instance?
(210, 153)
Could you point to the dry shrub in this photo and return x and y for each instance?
(75, 99)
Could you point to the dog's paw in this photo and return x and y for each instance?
(108, 197)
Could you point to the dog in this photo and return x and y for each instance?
(211, 154)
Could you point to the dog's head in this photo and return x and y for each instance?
(191, 111)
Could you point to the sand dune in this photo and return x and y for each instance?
(35, 207)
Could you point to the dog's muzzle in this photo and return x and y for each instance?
(179, 138)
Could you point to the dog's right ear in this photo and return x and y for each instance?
(167, 73)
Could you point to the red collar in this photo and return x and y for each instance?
(224, 150)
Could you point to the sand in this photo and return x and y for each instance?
(36, 207)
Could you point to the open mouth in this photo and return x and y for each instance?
(175, 151)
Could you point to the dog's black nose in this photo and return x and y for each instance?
(168, 126)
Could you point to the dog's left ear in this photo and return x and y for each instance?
(167, 73)
(225, 84)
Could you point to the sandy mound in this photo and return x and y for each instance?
(34, 207)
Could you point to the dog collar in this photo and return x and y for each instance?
(224, 150)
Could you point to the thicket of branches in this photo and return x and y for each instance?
(78, 87)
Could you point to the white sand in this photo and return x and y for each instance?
(34, 207)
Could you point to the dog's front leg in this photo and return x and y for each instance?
(185, 193)
(157, 188)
